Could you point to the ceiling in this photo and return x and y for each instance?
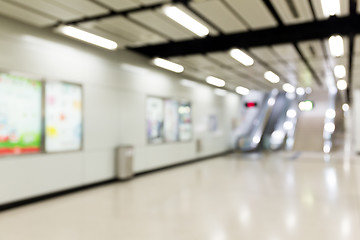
(288, 37)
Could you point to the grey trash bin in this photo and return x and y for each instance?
(124, 162)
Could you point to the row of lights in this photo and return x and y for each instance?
(336, 44)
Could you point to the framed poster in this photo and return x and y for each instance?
(63, 117)
(20, 115)
(171, 121)
(155, 119)
(185, 123)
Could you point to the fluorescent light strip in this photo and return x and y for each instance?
(287, 87)
(341, 84)
(87, 37)
(340, 71)
(242, 90)
(241, 57)
(171, 66)
(186, 21)
(336, 45)
(271, 77)
(215, 81)
(330, 7)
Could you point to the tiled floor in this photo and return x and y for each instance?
(252, 197)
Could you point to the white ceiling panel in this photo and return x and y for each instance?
(358, 6)
(356, 78)
(286, 51)
(24, 15)
(254, 12)
(198, 61)
(120, 5)
(265, 54)
(224, 58)
(293, 11)
(213, 31)
(356, 61)
(357, 44)
(161, 24)
(344, 9)
(50, 8)
(311, 49)
(217, 13)
(85, 7)
(130, 31)
(320, 67)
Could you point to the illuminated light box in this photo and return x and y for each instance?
(171, 121)
(20, 115)
(63, 117)
(155, 119)
(185, 122)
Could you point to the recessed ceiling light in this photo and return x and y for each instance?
(341, 84)
(291, 113)
(300, 91)
(287, 87)
(241, 57)
(171, 66)
(336, 45)
(186, 21)
(330, 113)
(87, 37)
(271, 77)
(340, 71)
(215, 81)
(330, 7)
(345, 107)
(242, 90)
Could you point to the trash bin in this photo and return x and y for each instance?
(124, 162)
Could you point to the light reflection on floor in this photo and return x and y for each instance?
(256, 196)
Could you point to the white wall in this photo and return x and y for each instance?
(114, 111)
(356, 119)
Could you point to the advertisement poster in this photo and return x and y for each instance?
(155, 119)
(20, 115)
(171, 121)
(185, 124)
(63, 117)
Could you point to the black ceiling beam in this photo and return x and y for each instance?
(272, 36)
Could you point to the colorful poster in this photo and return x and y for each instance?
(63, 117)
(171, 121)
(155, 119)
(185, 124)
(20, 115)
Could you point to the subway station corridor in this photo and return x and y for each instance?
(258, 197)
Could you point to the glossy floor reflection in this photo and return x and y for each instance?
(258, 197)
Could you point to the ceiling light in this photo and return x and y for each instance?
(186, 21)
(87, 37)
(287, 87)
(271, 77)
(330, 7)
(288, 125)
(329, 127)
(300, 91)
(339, 71)
(160, 62)
(345, 107)
(330, 113)
(291, 113)
(242, 57)
(242, 90)
(306, 105)
(215, 81)
(341, 84)
(336, 44)
(220, 92)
